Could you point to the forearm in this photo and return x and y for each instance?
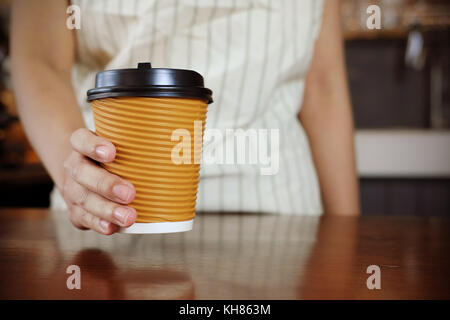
(327, 118)
(330, 132)
(42, 54)
(48, 110)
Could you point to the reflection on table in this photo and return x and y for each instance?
(227, 256)
(248, 255)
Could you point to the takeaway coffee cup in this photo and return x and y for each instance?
(155, 118)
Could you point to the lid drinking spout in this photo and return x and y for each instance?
(144, 65)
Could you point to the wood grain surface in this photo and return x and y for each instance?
(227, 256)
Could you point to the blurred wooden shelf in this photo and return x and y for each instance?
(376, 34)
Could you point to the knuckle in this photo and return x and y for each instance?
(83, 139)
(65, 189)
(104, 184)
(77, 135)
(74, 219)
(101, 208)
(95, 224)
(108, 210)
(81, 197)
(87, 220)
(66, 164)
(110, 206)
(77, 170)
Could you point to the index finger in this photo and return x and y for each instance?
(95, 147)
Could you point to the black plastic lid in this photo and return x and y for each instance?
(146, 81)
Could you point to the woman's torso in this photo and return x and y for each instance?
(254, 55)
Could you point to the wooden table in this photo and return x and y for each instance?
(227, 256)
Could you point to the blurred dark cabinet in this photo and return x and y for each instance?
(388, 94)
(420, 197)
(385, 92)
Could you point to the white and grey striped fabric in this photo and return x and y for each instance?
(253, 54)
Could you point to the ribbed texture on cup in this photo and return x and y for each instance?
(141, 130)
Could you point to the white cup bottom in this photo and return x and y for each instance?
(159, 227)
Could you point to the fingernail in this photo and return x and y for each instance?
(121, 214)
(102, 152)
(123, 192)
(104, 225)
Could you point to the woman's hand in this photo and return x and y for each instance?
(96, 199)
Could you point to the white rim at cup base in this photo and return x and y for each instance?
(159, 227)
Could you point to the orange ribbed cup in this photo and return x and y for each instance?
(141, 129)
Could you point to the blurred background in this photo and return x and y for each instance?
(400, 88)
